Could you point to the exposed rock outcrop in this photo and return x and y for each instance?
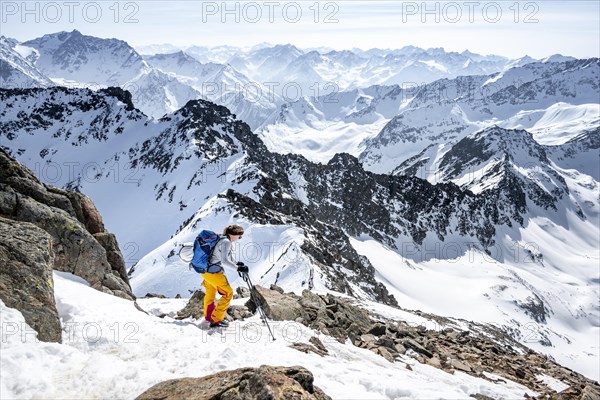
(265, 382)
(80, 244)
(481, 350)
(26, 276)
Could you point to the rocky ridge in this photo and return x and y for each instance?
(452, 346)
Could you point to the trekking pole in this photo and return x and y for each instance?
(254, 299)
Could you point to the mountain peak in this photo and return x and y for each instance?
(9, 42)
(436, 50)
(85, 59)
(344, 160)
(557, 58)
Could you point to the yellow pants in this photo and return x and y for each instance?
(216, 283)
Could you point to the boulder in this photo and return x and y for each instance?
(154, 295)
(318, 344)
(194, 307)
(591, 391)
(307, 348)
(265, 382)
(378, 329)
(413, 344)
(385, 353)
(26, 276)
(239, 312)
(241, 292)
(461, 365)
(277, 306)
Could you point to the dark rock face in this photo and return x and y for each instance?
(80, 245)
(514, 190)
(344, 195)
(265, 382)
(26, 276)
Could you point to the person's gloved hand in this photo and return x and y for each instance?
(242, 267)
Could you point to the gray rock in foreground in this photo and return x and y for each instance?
(26, 277)
(80, 245)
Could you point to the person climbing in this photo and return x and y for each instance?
(215, 279)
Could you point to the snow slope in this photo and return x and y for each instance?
(16, 66)
(114, 351)
(476, 287)
(336, 122)
(557, 123)
(272, 252)
(251, 101)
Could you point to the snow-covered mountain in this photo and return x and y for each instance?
(157, 93)
(250, 101)
(252, 82)
(579, 154)
(409, 129)
(553, 95)
(334, 226)
(148, 50)
(87, 59)
(16, 66)
(215, 54)
(318, 128)
(159, 84)
(182, 64)
(265, 62)
(286, 72)
(350, 69)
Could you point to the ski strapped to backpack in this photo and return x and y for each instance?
(204, 245)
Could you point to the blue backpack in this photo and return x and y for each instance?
(204, 246)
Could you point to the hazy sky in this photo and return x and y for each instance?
(509, 28)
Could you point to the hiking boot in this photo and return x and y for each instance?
(220, 324)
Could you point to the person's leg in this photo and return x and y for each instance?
(226, 292)
(209, 297)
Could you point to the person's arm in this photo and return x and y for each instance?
(226, 254)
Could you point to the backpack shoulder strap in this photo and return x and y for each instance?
(219, 237)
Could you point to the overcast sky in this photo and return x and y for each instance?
(509, 28)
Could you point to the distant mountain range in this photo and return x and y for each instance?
(253, 82)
